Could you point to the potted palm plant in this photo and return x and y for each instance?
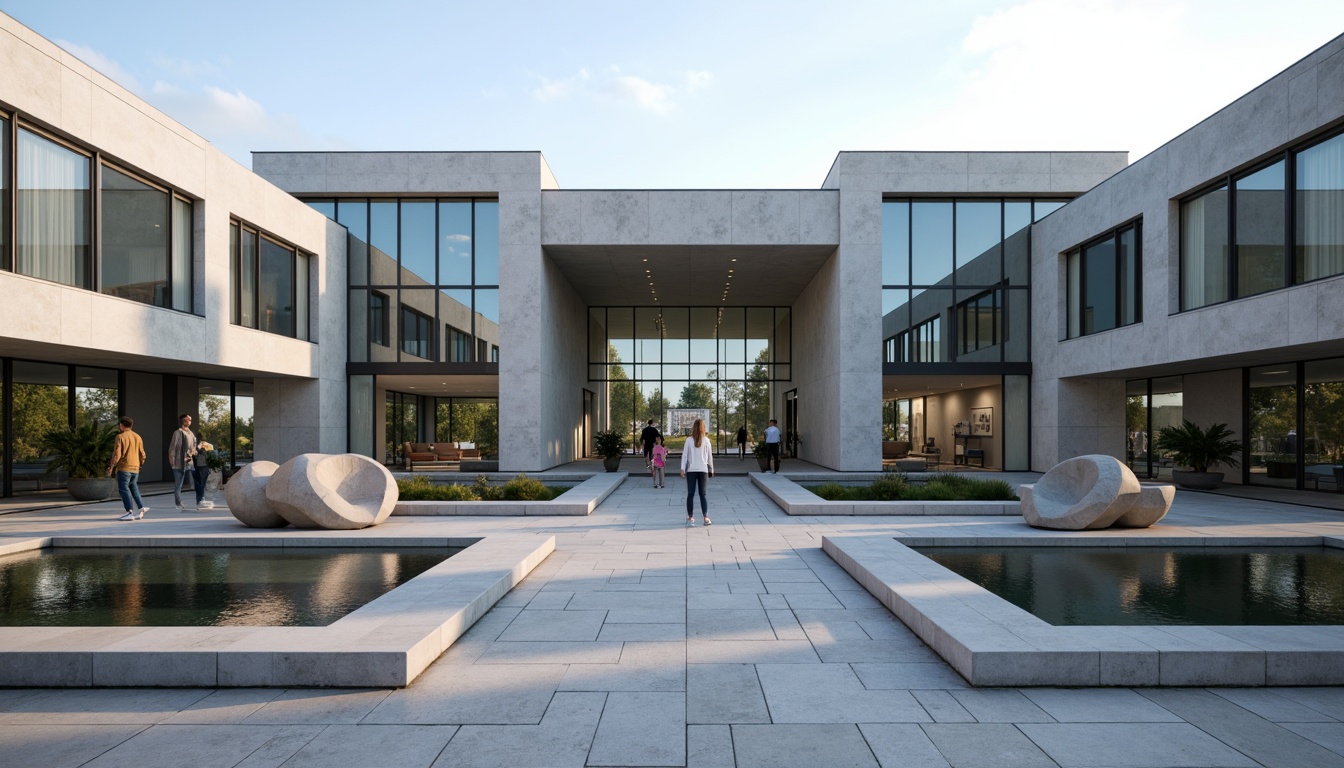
(1198, 448)
(762, 455)
(610, 445)
(83, 452)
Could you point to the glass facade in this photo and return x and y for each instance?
(1105, 287)
(52, 234)
(1151, 405)
(1248, 235)
(424, 272)
(954, 273)
(719, 362)
(271, 283)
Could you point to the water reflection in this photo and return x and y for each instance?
(1210, 586)
(159, 587)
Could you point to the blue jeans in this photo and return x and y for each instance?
(696, 480)
(179, 475)
(128, 485)
(202, 474)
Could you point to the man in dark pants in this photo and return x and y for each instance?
(742, 442)
(772, 444)
(648, 437)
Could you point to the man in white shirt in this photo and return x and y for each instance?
(772, 444)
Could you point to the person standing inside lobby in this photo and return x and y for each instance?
(181, 456)
(128, 454)
(772, 444)
(742, 442)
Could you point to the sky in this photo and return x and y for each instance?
(721, 94)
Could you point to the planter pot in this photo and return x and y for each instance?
(1197, 481)
(1283, 470)
(91, 488)
(764, 462)
(611, 463)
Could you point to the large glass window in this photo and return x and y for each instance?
(4, 196)
(415, 333)
(96, 396)
(1274, 441)
(135, 247)
(1323, 424)
(52, 233)
(1104, 285)
(417, 247)
(1204, 267)
(1320, 210)
(41, 403)
(1260, 230)
(183, 261)
(270, 293)
(943, 257)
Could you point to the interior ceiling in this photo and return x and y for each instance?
(689, 275)
(442, 386)
(904, 387)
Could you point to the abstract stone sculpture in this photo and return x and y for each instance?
(340, 492)
(1091, 492)
(246, 495)
(1153, 504)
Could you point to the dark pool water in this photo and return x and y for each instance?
(1212, 586)
(172, 587)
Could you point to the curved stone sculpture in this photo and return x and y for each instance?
(245, 494)
(341, 492)
(1082, 493)
(1153, 504)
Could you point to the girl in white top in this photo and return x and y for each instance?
(697, 466)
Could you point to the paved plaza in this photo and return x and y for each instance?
(641, 642)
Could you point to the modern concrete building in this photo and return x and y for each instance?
(1031, 306)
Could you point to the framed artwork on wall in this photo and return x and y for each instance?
(982, 422)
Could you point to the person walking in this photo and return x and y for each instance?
(772, 444)
(659, 463)
(202, 468)
(128, 453)
(742, 442)
(648, 437)
(697, 466)
(181, 453)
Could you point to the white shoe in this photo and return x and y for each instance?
(128, 516)
(180, 508)
(143, 510)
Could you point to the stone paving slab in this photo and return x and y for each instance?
(652, 691)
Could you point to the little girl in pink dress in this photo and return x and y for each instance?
(659, 462)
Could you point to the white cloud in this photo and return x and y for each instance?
(234, 121)
(185, 68)
(458, 238)
(614, 86)
(1092, 75)
(642, 93)
(104, 64)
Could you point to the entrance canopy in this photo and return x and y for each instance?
(689, 275)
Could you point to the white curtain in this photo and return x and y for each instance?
(182, 256)
(1204, 250)
(53, 211)
(1320, 210)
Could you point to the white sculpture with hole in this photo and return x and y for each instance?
(340, 492)
(1092, 492)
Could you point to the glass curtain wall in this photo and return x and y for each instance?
(1323, 424)
(1319, 200)
(1272, 417)
(135, 225)
(424, 278)
(96, 396)
(52, 232)
(955, 279)
(243, 412)
(676, 364)
(41, 403)
(1151, 405)
(472, 420)
(402, 412)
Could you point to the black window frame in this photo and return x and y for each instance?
(238, 230)
(378, 318)
(1075, 305)
(424, 326)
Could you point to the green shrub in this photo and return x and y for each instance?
(421, 489)
(524, 488)
(830, 491)
(485, 491)
(890, 486)
(962, 488)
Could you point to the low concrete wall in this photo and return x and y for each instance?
(373, 646)
(992, 642)
(582, 499)
(798, 501)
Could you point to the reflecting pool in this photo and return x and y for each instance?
(217, 586)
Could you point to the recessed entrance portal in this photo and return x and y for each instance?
(659, 362)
